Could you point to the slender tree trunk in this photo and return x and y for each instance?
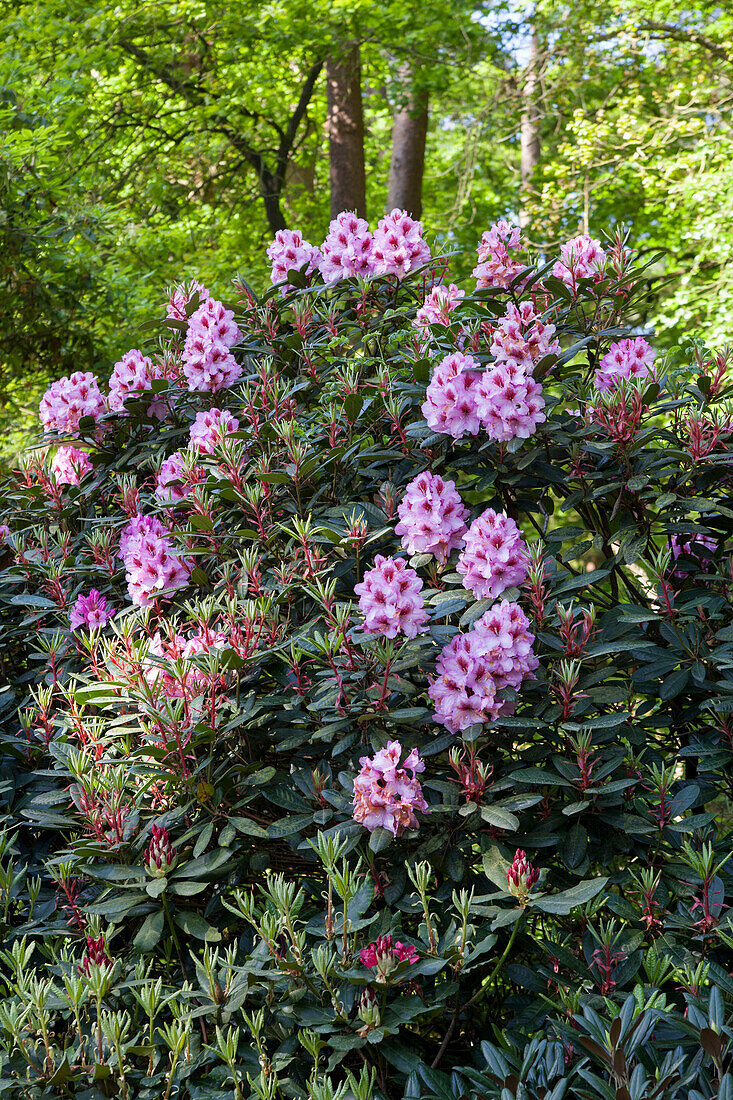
(346, 133)
(409, 130)
(530, 126)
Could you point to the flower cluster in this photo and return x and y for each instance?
(475, 666)
(450, 399)
(133, 374)
(91, 611)
(95, 955)
(187, 680)
(385, 795)
(696, 547)
(398, 246)
(580, 258)
(182, 295)
(523, 337)
(151, 564)
(389, 597)
(509, 403)
(632, 358)
(290, 252)
(438, 306)
(494, 557)
(347, 249)
(432, 517)
(210, 427)
(208, 364)
(160, 855)
(496, 267)
(171, 481)
(68, 399)
(521, 877)
(69, 465)
(385, 955)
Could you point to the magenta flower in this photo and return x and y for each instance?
(697, 547)
(347, 249)
(389, 597)
(521, 877)
(631, 358)
(580, 258)
(132, 375)
(134, 531)
(95, 955)
(208, 365)
(160, 855)
(431, 517)
(68, 399)
(398, 246)
(151, 564)
(170, 482)
(509, 402)
(385, 795)
(384, 955)
(450, 399)
(91, 611)
(70, 465)
(182, 295)
(289, 252)
(494, 556)
(210, 428)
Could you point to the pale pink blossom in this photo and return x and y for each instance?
(151, 564)
(632, 358)
(494, 556)
(208, 365)
(386, 795)
(211, 427)
(432, 517)
(450, 399)
(171, 484)
(523, 336)
(182, 295)
(398, 246)
(68, 399)
(496, 268)
(347, 249)
(390, 600)
(509, 402)
(132, 375)
(214, 320)
(69, 465)
(289, 252)
(580, 258)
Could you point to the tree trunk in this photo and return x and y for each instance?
(409, 130)
(530, 131)
(346, 133)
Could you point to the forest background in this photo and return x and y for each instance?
(142, 144)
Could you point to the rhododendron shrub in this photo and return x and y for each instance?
(366, 710)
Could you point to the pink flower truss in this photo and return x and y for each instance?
(289, 252)
(389, 597)
(208, 365)
(151, 564)
(450, 399)
(509, 402)
(347, 249)
(182, 295)
(133, 374)
(70, 465)
(438, 306)
(522, 335)
(473, 667)
(92, 611)
(521, 876)
(398, 246)
(431, 517)
(631, 358)
(214, 320)
(68, 399)
(210, 428)
(170, 483)
(494, 556)
(384, 954)
(496, 267)
(580, 258)
(385, 795)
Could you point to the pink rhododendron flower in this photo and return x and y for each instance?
(697, 547)
(385, 795)
(389, 597)
(502, 234)
(398, 246)
(631, 358)
(170, 483)
(160, 855)
(192, 681)
(521, 877)
(214, 320)
(496, 268)
(438, 306)
(289, 252)
(69, 465)
(151, 563)
(208, 365)
(475, 666)
(494, 556)
(580, 258)
(522, 336)
(210, 428)
(384, 955)
(68, 399)
(431, 517)
(92, 611)
(450, 399)
(347, 249)
(133, 374)
(182, 295)
(4, 533)
(509, 402)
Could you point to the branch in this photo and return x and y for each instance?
(664, 30)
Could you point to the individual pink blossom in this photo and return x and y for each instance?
(384, 956)
(389, 597)
(496, 268)
(209, 429)
(208, 364)
(521, 335)
(132, 375)
(398, 246)
(474, 667)
(69, 465)
(91, 611)
(509, 402)
(632, 358)
(386, 795)
(171, 481)
(494, 556)
(289, 252)
(68, 399)
(151, 563)
(182, 295)
(450, 399)
(696, 547)
(437, 307)
(432, 517)
(521, 877)
(214, 320)
(347, 249)
(580, 258)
